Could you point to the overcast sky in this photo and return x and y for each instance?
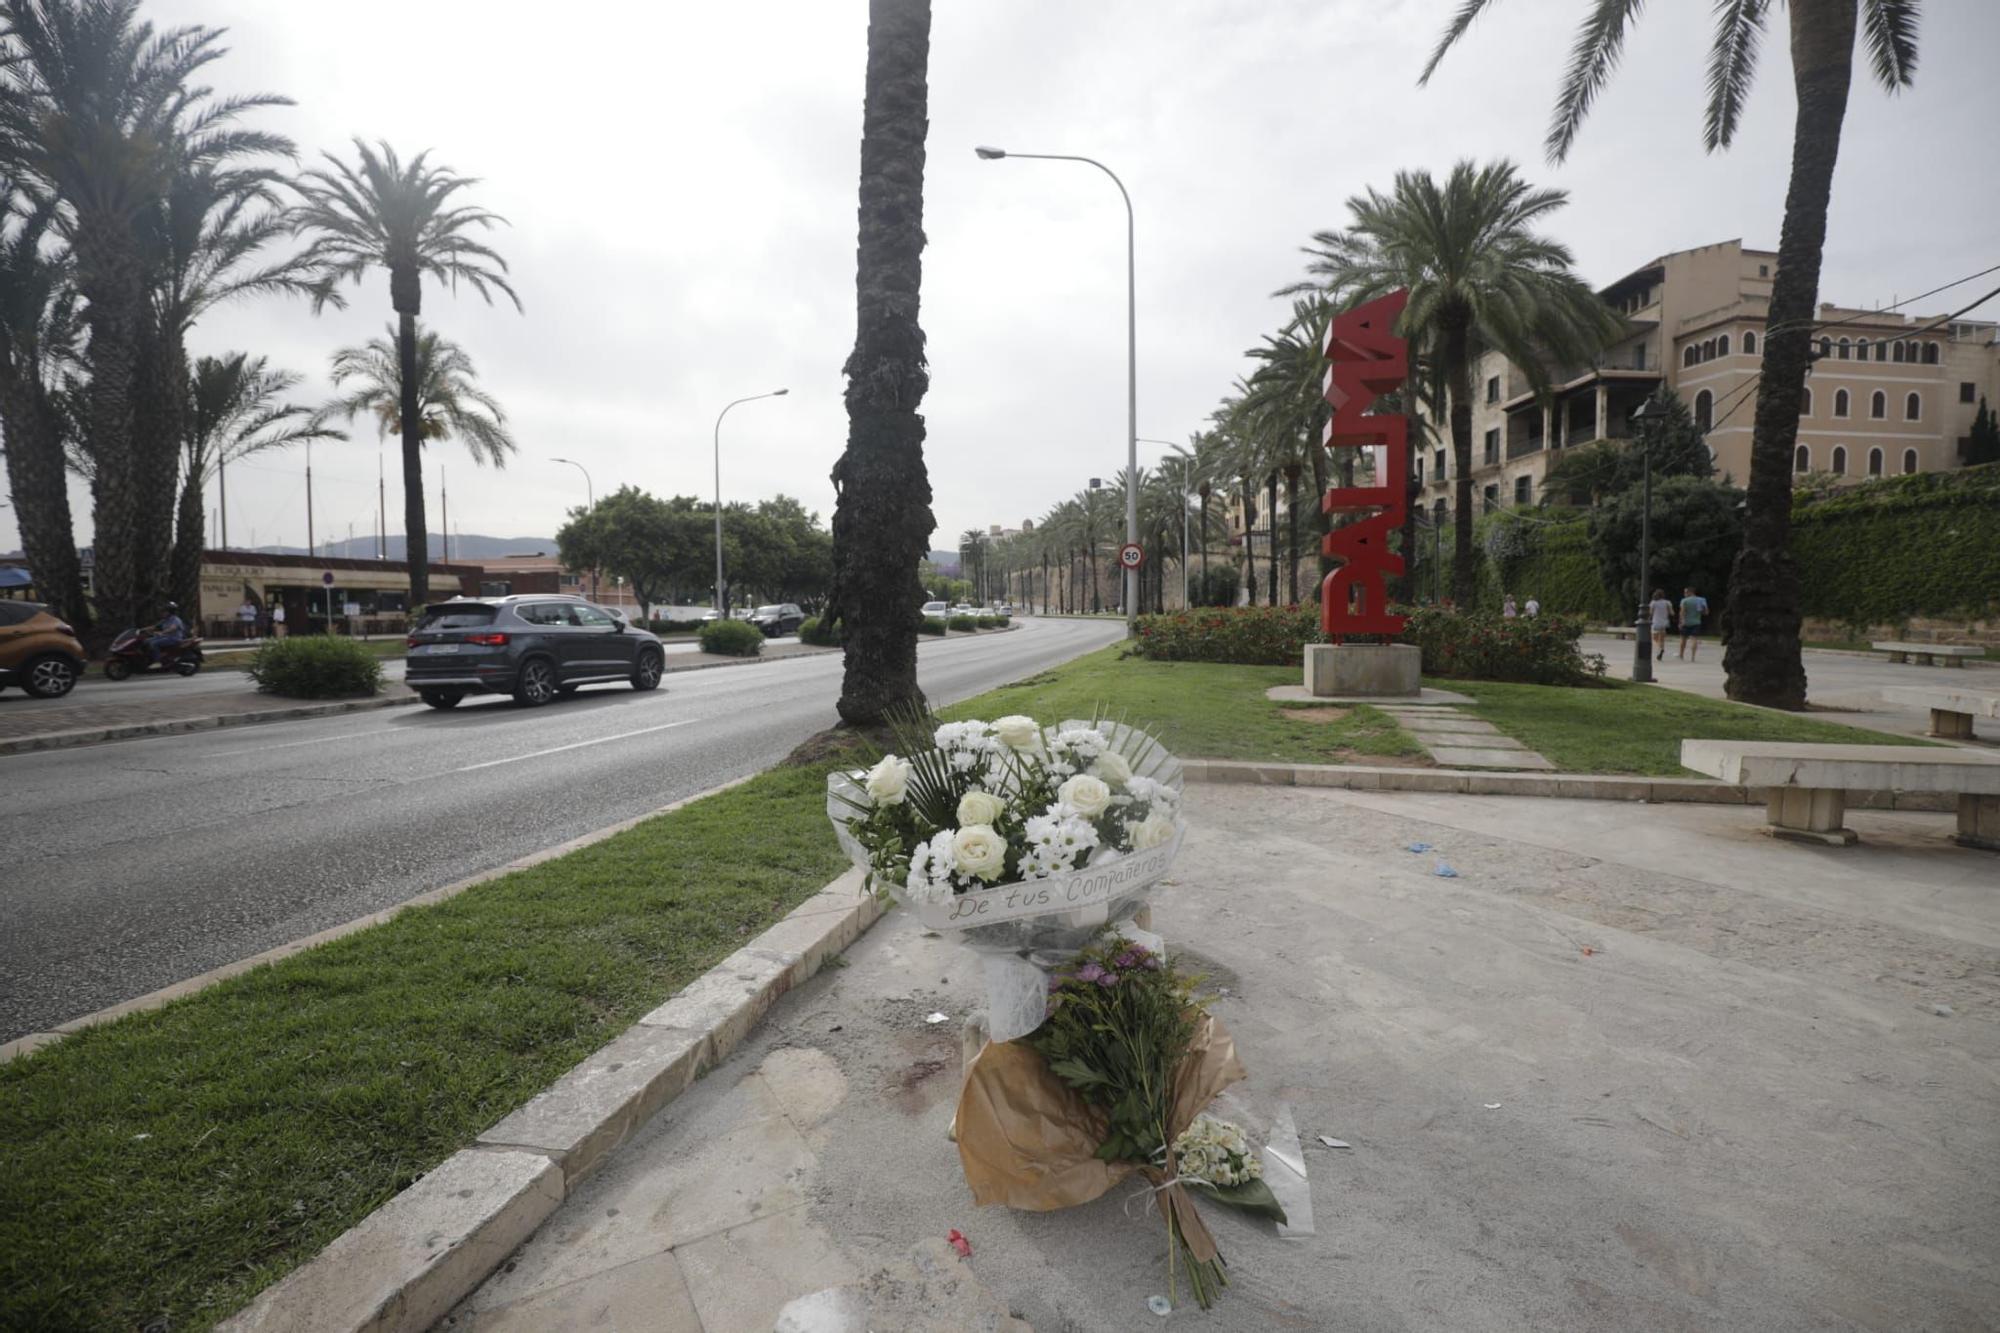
(680, 180)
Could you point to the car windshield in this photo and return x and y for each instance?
(770, 610)
(456, 615)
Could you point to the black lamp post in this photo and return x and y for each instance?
(1642, 628)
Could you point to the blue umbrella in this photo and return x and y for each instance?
(13, 576)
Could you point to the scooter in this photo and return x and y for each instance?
(127, 655)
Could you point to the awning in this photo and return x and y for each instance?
(13, 576)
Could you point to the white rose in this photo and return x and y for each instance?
(888, 780)
(1086, 795)
(1018, 733)
(1152, 831)
(1111, 766)
(980, 807)
(980, 851)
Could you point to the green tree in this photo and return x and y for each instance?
(1479, 278)
(383, 213)
(1696, 528)
(1678, 448)
(638, 537)
(1762, 656)
(882, 519)
(1983, 445)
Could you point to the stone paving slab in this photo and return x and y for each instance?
(1295, 694)
(1462, 726)
(1454, 756)
(1473, 739)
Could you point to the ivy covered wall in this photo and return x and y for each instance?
(1925, 545)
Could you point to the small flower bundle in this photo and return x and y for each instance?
(968, 805)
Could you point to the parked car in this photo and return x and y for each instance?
(38, 650)
(965, 609)
(784, 618)
(938, 609)
(532, 647)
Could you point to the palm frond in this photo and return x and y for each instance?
(1891, 26)
(1599, 43)
(1467, 12)
(1732, 65)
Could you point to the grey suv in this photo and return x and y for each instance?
(533, 648)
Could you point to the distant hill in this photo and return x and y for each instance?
(466, 546)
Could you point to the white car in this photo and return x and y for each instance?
(935, 609)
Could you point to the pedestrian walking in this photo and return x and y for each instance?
(246, 619)
(1663, 615)
(1534, 608)
(1694, 610)
(277, 620)
(1507, 607)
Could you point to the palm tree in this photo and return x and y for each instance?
(383, 213)
(234, 411)
(882, 518)
(449, 402)
(1479, 278)
(1762, 654)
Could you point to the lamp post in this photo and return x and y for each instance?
(1642, 629)
(721, 602)
(590, 494)
(1131, 362)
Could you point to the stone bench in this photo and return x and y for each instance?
(1807, 785)
(1952, 709)
(1953, 654)
(1620, 631)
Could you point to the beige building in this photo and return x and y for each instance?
(1888, 394)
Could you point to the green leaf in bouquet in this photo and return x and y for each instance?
(1252, 1196)
(1077, 1074)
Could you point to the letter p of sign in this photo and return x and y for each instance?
(1367, 360)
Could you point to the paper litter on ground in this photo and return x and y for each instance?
(1285, 1173)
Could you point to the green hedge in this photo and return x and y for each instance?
(732, 638)
(315, 666)
(673, 626)
(1246, 635)
(965, 623)
(817, 632)
(1886, 550)
(1480, 645)
(931, 625)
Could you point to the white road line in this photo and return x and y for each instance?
(577, 745)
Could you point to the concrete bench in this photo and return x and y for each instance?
(1953, 654)
(1952, 709)
(1620, 631)
(1807, 785)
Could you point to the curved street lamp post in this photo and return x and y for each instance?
(590, 494)
(721, 601)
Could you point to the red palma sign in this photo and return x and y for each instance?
(1368, 360)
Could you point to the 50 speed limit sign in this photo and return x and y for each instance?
(1131, 555)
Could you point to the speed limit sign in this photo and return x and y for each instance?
(1131, 555)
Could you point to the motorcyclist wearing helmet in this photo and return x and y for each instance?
(170, 631)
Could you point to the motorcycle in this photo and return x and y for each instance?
(128, 655)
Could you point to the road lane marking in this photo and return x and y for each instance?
(311, 740)
(578, 745)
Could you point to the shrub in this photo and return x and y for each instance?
(732, 638)
(931, 625)
(1479, 645)
(1248, 635)
(988, 622)
(315, 666)
(1885, 550)
(673, 626)
(1214, 586)
(1697, 528)
(1003, 621)
(817, 631)
(966, 623)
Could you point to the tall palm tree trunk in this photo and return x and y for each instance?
(159, 397)
(882, 518)
(1271, 490)
(1292, 530)
(38, 480)
(111, 278)
(407, 298)
(1458, 377)
(190, 533)
(1249, 542)
(1761, 623)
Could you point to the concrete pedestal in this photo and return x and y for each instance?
(1979, 822)
(1807, 814)
(1373, 670)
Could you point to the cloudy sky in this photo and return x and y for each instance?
(680, 180)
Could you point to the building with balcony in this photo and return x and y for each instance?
(1888, 393)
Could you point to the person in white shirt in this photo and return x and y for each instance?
(1534, 608)
(1663, 615)
(277, 620)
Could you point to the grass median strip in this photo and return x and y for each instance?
(174, 1163)
(1198, 709)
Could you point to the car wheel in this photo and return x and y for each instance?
(647, 674)
(117, 669)
(536, 685)
(50, 677)
(442, 698)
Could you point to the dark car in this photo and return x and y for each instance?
(38, 650)
(533, 648)
(776, 620)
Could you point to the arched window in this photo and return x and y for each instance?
(1861, 349)
(1840, 401)
(1688, 354)
(1825, 347)
(1749, 344)
(1708, 350)
(1874, 462)
(1899, 352)
(1805, 402)
(1882, 350)
(1909, 461)
(1704, 410)
(1845, 348)
(1913, 407)
(1839, 460)
(1722, 345)
(1878, 405)
(1802, 459)
(1930, 354)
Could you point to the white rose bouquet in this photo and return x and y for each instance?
(964, 806)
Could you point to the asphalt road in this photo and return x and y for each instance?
(130, 866)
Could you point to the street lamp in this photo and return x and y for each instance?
(721, 604)
(590, 493)
(1131, 364)
(1642, 629)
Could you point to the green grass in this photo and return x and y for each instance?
(176, 1162)
(1197, 709)
(1628, 728)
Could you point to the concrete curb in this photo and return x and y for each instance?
(403, 1267)
(1566, 786)
(35, 1041)
(64, 740)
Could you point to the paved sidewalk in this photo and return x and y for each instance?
(1840, 686)
(140, 712)
(1630, 1069)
